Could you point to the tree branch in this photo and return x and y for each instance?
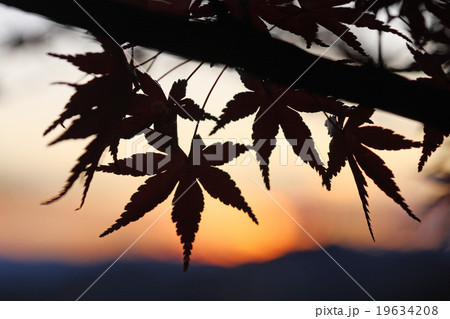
(237, 45)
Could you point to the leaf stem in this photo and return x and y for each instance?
(326, 115)
(193, 72)
(380, 50)
(147, 70)
(173, 69)
(207, 97)
(148, 60)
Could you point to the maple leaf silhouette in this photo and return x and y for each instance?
(109, 108)
(91, 62)
(432, 66)
(189, 172)
(350, 143)
(432, 139)
(273, 110)
(160, 110)
(306, 19)
(303, 20)
(101, 104)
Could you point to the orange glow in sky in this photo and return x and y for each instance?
(31, 172)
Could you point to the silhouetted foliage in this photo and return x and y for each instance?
(431, 66)
(188, 200)
(101, 105)
(347, 144)
(121, 101)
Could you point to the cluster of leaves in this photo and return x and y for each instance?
(120, 102)
(276, 107)
(302, 17)
(110, 107)
(427, 20)
(428, 23)
(431, 66)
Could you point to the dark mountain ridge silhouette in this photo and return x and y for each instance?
(308, 275)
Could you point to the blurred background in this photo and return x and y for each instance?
(54, 253)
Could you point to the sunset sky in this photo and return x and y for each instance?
(31, 172)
